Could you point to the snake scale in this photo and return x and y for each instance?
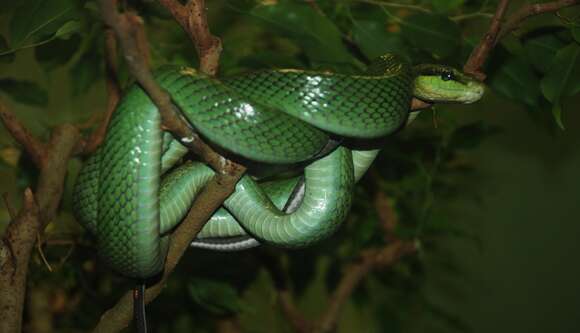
(132, 193)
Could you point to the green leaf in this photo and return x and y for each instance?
(542, 49)
(7, 58)
(316, 34)
(576, 33)
(36, 20)
(85, 72)
(433, 33)
(445, 6)
(216, 297)
(374, 40)
(562, 78)
(516, 80)
(24, 91)
(56, 53)
(67, 29)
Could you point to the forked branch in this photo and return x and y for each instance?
(228, 172)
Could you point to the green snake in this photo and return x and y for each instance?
(132, 193)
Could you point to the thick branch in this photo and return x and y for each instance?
(211, 197)
(213, 194)
(15, 250)
(125, 32)
(21, 234)
(35, 149)
(62, 145)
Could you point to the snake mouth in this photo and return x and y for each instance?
(473, 94)
(449, 86)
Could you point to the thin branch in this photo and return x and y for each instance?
(291, 312)
(285, 300)
(498, 29)
(41, 253)
(193, 21)
(354, 274)
(35, 149)
(463, 17)
(481, 52)
(396, 5)
(530, 10)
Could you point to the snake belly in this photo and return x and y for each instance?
(278, 116)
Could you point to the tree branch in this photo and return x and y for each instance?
(529, 10)
(355, 273)
(499, 29)
(137, 64)
(211, 197)
(192, 19)
(481, 52)
(35, 149)
(15, 250)
(38, 210)
(228, 172)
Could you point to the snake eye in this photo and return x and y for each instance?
(447, 76)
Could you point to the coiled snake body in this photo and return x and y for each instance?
(276, 116)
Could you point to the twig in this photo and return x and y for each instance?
(34, 148)
(396, 5)
(41, 253)
(529, 10)
(468, 16)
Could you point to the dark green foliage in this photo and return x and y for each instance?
(24, 91)
(425, 169)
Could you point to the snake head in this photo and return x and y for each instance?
(438, 83)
